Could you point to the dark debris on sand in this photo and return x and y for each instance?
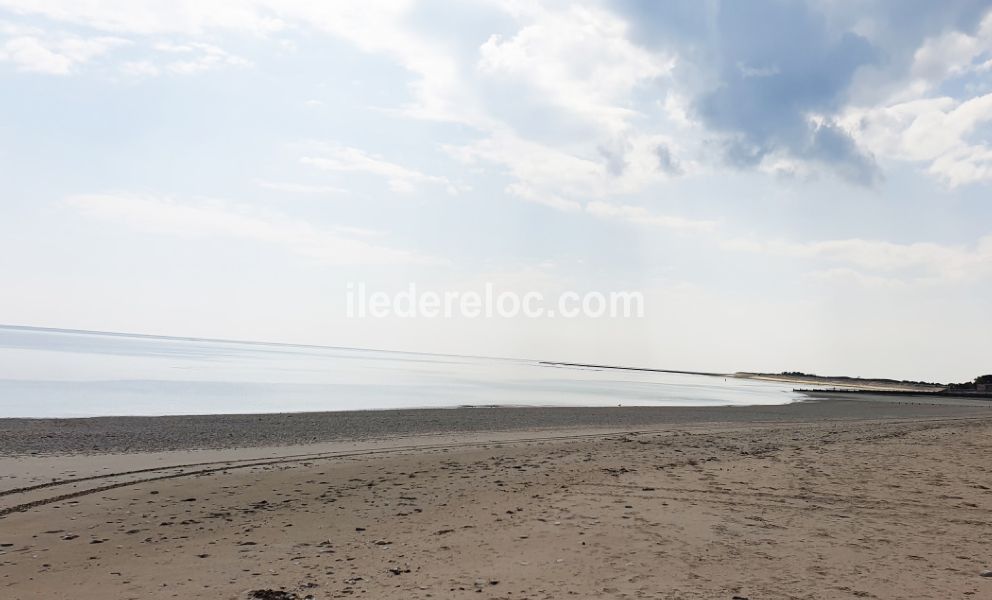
(272, 595)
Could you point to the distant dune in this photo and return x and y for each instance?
(844, 381)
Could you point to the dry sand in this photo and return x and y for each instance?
(814, 505)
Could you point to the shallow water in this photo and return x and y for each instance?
(57, 373)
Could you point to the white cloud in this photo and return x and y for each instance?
(140, 68)
(383, 27)
(199, 57)
(580, 60)
(950, 54)
(762, 71)
(969, 164)
(529, 194)
(934, 130)
(554, 171)
(923, 262)
(380, 27)
(183, 59)
(29, 54)
(913, 125)
(353, 160)
(844, 276)
(134, 16)
(537, 165)
(212, 218)
(635, 215)
(301, 188)
(639, 215)
(677, 108)
(58, 53)
(54, 55)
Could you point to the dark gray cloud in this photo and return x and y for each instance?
(615, 158)
(667, 162)
(899, 27)
(833, 146)
(776, 64)
(759, 69)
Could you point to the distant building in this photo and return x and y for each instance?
(983, 387)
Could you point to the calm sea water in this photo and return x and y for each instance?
(55, 373)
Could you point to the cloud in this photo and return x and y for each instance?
(762, 115)
(154, 18)
(531, 195)
(950, 54)
(935, 130)
(579, 59)
(534, 164)
(767, 94)
(968, 164)
(352, 160)
(576, 71)
(301, 188)
(212, 218)
(924, 44)
(627, 167)
(772, 82)
(55, 54)
(844, 277)
(58, 53)
(945, 131)
(668, 163)
(183, 59)
(641, 216)
(380, 27)
(199, 57)
(922, 262)
(580, 62)
(140, 68)
(634, 215)
(797, 84)
(832, 145)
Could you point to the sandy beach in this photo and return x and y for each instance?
(828, 499)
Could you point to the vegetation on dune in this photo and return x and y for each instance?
(971, 385)
(849, 378)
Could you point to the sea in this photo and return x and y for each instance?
(67, 373)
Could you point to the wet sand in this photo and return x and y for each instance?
(150, 434)
(833, 499)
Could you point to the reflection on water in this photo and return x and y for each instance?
(47, 373)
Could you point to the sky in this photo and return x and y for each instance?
(791, 185)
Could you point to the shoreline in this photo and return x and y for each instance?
(122, 434)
